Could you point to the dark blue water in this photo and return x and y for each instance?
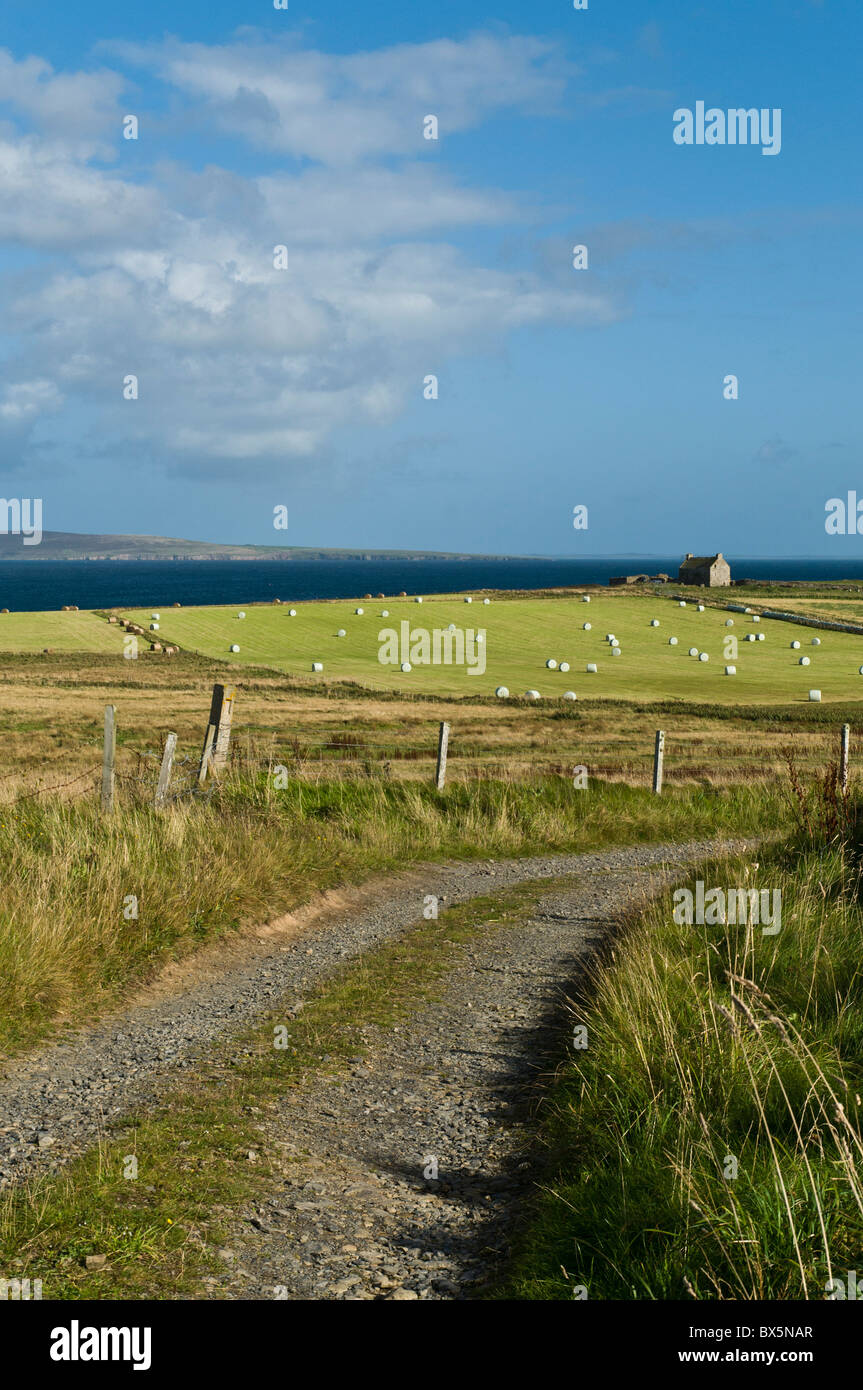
(106, 583)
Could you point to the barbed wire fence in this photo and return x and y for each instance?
(162, 778)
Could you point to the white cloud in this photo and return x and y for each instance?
(172, 279)
(340, 108)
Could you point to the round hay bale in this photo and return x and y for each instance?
(154, 627)
(49, 651)
(112, 619)
(731, 670)
(569, 695)
(750, 637)
(234, 647)
(179, 605)
(341, 632)
(672, 641)
(795, 646)
(292, 612)
(403, 593)
(358, 612)
(551, 664)
(585, 598)
(815, 695)
(155, 617)
(756, 618)
(502, 692)
(654, 622)
(385, 613)
(486, 600)
(804, 661)
(702, 656)
(468, 599)
(729, 622)
(682, 603)
(816, 642)
(480, 637)
(366, 596)
(586, 627)
(417, 599)
(591, 667)
(564, 667)
(701, 607)
(760, 637)
(317, 666)
(381, 595)
(406, 666)
(155, 646)
(276, 600)
(615, 651)
(241, 615)
(532, 695)
(693, 651)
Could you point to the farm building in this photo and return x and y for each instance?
(712, 571)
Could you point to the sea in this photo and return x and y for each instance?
(46, 584)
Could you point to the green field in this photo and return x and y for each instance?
(520, 635)
(62, 632)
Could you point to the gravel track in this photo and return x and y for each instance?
(486, 1038)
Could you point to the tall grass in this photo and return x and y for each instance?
(707, 1142)
(70, 944)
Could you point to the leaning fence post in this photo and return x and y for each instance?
(843, 757)
(165, 770)
(442, 745)
(658, 757)
(109, 749)
(206, 755)
(221, 710)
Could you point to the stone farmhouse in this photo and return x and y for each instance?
(712, 571)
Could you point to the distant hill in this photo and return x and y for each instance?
(69, 545)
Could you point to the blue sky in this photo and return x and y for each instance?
(407, 257)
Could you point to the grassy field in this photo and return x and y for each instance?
(63, 632)
(521, 635)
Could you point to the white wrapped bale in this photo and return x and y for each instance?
(502, 692)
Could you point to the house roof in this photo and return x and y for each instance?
(696, 561)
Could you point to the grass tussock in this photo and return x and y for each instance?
(707, 1141)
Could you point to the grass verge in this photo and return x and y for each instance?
(706, 1143)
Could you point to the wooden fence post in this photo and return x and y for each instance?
(658, 758)
(843, 757)
(165, 770)
(221, 710)
(109, 749)
(206, 755)
(218, 740)
(442, 746)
